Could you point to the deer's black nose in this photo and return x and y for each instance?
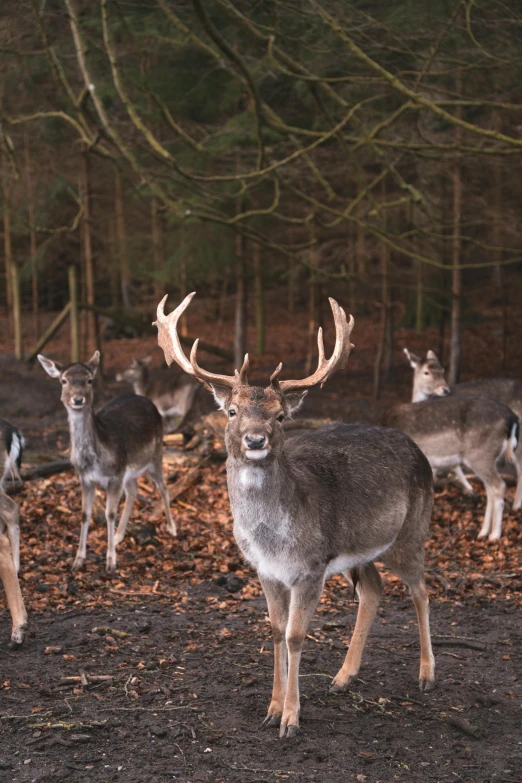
(445, 390)
(255, 442)
(78, 400)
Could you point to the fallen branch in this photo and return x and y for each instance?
(463, 725)
(180, 487)
(458, 643)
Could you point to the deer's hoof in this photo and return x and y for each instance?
(426, 685)
(334, 688)
(271, 720)
(78, 563)
(118, 538)
(110, 567)
(17, 638)
(287, 732)
(172, 529)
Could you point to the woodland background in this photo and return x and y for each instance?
(266, 154)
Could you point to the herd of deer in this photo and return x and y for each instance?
(331, 501)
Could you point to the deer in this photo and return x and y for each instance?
(454, 432)
(509, 392)
(110, 448)
(173, 399)
(330, 501)
(11, 447)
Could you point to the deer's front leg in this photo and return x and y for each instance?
(111, 507)
(278, 601)
(87, 504)
(13, 595)
(304, 597)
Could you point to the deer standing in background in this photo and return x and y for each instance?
(457, 431)
(509, 392)
(11, 447)
(173, 399)
(110, 448)
(331, 501)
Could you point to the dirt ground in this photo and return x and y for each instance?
(163, 672)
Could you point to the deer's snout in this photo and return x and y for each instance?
(78, 400)
(255, 442)
(442, 391)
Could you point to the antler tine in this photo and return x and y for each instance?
(168, 340)
(208, 378)
(274, 383)
(327, 367)
(242, 375)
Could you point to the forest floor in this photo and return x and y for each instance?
(163, 671)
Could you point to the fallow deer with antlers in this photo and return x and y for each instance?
(305, 508)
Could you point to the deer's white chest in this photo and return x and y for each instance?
(263, 534)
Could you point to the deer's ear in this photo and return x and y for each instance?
(413, 360)
(54, 369)
(294, 400)
(220, 394)
(94, 362)
(146, 361)
(432, 356)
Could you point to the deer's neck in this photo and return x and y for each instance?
(82, 428)
(418, 395)
(256, 492)
(141, 385)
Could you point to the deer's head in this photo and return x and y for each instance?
(136, 371)
(76, 379)
(255, 414)
(428, 376)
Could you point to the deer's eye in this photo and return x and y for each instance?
(232, 412)
(63, 381)
(426, 373)
(89, 381)
(281, 417)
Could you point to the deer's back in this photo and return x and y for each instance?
(451, 427)
(505, 390)
(129, 426)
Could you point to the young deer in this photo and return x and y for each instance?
(109, 448)
(330, 501)
(172, 399)
(11, 446)
(457, 431)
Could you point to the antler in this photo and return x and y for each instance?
(168, 340)
(325, 367)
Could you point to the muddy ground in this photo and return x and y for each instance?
(171, 659)
(188, 691)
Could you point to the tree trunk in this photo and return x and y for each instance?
(17, 311)
(419, 301)
(121, 240)
(456, 274)
(159, 286)
(74, 320)
(91, 340)
(8, 256)
(32, 232)
(312, 310)
(240, 332)
(260, 301)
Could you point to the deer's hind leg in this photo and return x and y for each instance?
(114, 491)
(156, 474)
(131, 490)
(369, 590)
(495, 491)
(13, 594)
(410, 568)
(278, 601)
